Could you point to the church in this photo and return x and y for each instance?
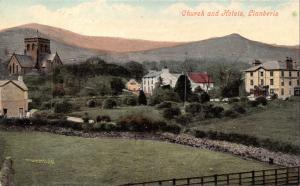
(37, 57)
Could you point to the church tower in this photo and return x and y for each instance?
(37, 47)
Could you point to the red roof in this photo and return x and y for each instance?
(197, 77)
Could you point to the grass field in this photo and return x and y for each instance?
(279, 121)
(48, 159)
(119, 112)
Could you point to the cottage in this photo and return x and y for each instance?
(202, 80)
(37, 56)
(273, 77)
(133, 86)
(13, 98)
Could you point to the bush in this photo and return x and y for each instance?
(261, 100)
(130, 100)
(103, 118)
(139, 124)
(239, 109)
(142, 99)
(170, 113)
(172, 128)
(193, 108)
(63, 107)
(217, 111)
(109, 103)
(274, 96)
(154, 100)
(91, 103)
(233, 100)
(231, 113)
(204, 97)
(164, 104)
(193, 98)
(184, 119)
(253, 103)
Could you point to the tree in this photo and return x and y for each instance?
(116, 86)
(136, 69)
(183, 87)
(142, 100)
(204, 97)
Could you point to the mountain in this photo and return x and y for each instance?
(232, 47)
(74, 48)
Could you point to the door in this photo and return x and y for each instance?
(5, 112)
(21, 112)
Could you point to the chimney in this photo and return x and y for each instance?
(256, 62)
(289, 63)
(20, 78)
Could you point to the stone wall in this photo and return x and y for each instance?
(6, 173)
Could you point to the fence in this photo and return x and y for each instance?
(279, 176)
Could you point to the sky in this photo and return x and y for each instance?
(159, 20)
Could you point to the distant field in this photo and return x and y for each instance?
(279, 121)
(48, 159)
(119, 112)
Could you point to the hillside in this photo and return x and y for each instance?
(231, 48)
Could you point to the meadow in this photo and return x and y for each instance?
(49, 159)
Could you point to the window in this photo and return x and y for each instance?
(282, 73)
(261, 82)
(28, 47)
(10, 70)
(298, 82)
(271, 73)
(251, 74)
(33, 46)
(13, 68)
(290, 83)
(290, 74)
(17, 69)
(261, 73)
(298, 74)
(251, 82)
(282, 83)
(282, 91)
(271, 82)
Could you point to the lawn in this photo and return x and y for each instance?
(49, 159)
(278, 121)
(119, 112)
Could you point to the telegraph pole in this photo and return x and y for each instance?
(185, 76)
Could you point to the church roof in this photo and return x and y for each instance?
(197, 77)
(47, 57)
(24, 60)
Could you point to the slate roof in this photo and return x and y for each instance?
(47, 57)
(270, 65)
(16, 82)
(24, 60)
(152, 73)
(197, 77)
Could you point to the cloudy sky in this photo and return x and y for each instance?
(159, 19)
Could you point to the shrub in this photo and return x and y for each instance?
(233, 100)
(173, 128)
(261, 100)
(193, 98)
(130, 100)
(274, 96)
(91, 103)
(253, 103)
(142, 99)
(139, 124)
(231, 113)
(104, 118)
(154, 100)
(63, 107)
(164, 104)
(217, 111)
(204, 97)
(184, 119)
(169, 113)
(193, 108)
(109, 103)
(239, 109)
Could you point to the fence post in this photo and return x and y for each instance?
(174, 182)
(202, 180)
(188, 181)
(264, 178)
(276, 180)
(216, 179)
(298, 168)
(240, 179)
(287, 175)
(159, 183)
(227, 179)
(253, 178)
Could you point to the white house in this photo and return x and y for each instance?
(153, 77)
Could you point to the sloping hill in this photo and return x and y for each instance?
(231, 47)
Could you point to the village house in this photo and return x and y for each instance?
(151, 79)
(37, 57)
(197, 79)
(13, 98)
(133, 86)
(273, 77)
(202, 80)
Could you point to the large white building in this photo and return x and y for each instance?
(153, 77)
(197, 79)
